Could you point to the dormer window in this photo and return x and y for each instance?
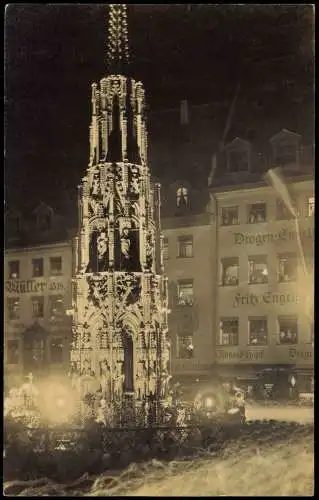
(182, 196)
(285, 153)
(286, 146)
(238, 161)
(238, 156)
(44, 222)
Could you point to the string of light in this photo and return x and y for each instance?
(117, 50)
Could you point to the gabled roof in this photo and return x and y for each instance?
(284, 133)
(238, 142)
(42, 208)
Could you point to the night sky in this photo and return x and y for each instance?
(54, 52)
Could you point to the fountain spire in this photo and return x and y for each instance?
(117, 58)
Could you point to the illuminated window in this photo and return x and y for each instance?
(56, 350)
(287, 267)
(13, 308)
(55, 266)
(228, 331)
(257, 269)
(257, 331)
(165, 248)
(185, 246)
(37, 268)
(257, 213)
(182, 196)
(13, 352)
(229, 216)
(311, 206)
(185, 292)
(56, 307)
(230, 271)
(14, 269)
(185, 346)
(287, 329)
(37, 307)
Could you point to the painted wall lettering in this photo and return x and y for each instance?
(32, 286)
(259, 239)
(242, 355)
(297, 354)
(250, 299)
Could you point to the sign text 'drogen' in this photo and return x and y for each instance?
(259, 239)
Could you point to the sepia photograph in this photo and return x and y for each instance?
(158, 272)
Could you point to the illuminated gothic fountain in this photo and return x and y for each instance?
(119, 290)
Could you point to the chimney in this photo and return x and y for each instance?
(184, 112)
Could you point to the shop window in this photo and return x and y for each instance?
(185, 246)
(165, 248)
(14, 269)
(185, 346)
(257, 269)
(56, 350)
(13, 308)
(230, 271)
(257, 331)
(238, 161)
(228, 331)
(13, 352)
(257, 213)
(182, 196)
(229, 216)
(287, 267)
(288, 330)
(311, 206)
(185, 292)
(37, 307)
(37, 268)
(55, 266)
(56, 307)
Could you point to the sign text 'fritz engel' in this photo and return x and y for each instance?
(259, 239)
(272, 298)
(32, 286)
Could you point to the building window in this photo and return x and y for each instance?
(165, 248)
(287, 267)
(182, 196)
(13, 352)
(55, 266)
(228, 331)
(285, 153)
(185, 246)
(229, 216)
(44, 222)
(13, 308)
(37, 307)
(258, 331)
(230, 271)
(56, 305)
(311, 206)
(257, 269)
(56, 350)
(238, 161)
(257, 213)
(185, 293)
(283, 213)
(287, 329)
(37, 268)
(185, 346)
(14, 269)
